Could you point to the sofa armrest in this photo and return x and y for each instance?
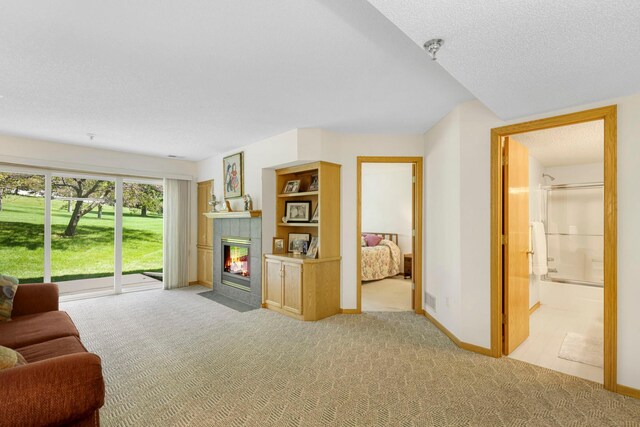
(34, 298)
(51, 392)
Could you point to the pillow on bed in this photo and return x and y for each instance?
(372, 239)
(363, 242)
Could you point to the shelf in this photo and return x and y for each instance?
(238, 214)
(306, 193)
(298, 224)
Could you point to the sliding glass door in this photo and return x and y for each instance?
(82, 234)
(22, 226)
(142, 230)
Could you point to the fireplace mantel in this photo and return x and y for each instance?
(234, 214)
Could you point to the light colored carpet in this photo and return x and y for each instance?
(583, 349)
(390, 294)
(173, 358)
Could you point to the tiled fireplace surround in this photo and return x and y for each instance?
(246, 228)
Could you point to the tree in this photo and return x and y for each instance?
(79, 188)
(15, 182)
(146, 197)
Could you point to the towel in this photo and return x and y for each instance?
(539, 249)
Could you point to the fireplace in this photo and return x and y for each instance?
(236, 257)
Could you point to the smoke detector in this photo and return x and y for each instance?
(432, 47)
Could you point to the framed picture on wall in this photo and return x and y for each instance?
(298, 211)
(233, 173)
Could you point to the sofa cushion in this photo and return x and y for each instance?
(8, 286)
(10, 358)
(36, 328)
(54, 348)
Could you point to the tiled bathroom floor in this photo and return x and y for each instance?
(548, 328)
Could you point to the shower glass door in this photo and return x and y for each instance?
(575, 233)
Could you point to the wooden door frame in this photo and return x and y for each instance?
(609, 116)
(417, 195)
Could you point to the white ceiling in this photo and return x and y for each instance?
(522, 57)
(567, 145)
(196, 77)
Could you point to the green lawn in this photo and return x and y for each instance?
(87, 254)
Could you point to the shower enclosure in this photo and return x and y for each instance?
(573, 215)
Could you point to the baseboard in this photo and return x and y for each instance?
(628, 391)
(463, 345)
(534, 308)
(195, 282)
(350, 311)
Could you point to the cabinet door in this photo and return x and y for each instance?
(208, 269)
(205, 266)
(292, 292)
(273, 282)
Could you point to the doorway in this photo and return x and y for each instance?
(573, 220)
(389, 257)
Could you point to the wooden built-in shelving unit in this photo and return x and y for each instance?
(301, 287)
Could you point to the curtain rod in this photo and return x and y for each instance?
(573, 186)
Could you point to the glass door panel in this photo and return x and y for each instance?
(142, 231)
(82, 234)
(22, 209)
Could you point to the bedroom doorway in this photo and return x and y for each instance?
(389, 233)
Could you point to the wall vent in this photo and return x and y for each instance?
(431, 301)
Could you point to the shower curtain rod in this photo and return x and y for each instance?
(573, 186)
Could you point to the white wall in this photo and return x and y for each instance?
(387, 200)
(53, 155)
(39, 153)
(476, 122)
(442, 255)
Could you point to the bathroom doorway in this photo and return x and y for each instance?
(553, 243)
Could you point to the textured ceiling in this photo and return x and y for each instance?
(196, 77)
(530, 56)
(566, 145)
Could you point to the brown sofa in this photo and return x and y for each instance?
(61, 384)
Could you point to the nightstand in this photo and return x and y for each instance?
(408, 265)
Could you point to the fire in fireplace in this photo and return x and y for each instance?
(236, 261)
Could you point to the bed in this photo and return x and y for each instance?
(383, 260)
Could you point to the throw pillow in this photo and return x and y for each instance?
(8, 286)
(372, 239)
(10, 358)
(363, 242)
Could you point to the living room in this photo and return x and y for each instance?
(180, 217)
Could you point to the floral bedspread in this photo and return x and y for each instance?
(380, 261)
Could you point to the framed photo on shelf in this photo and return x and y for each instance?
(278, 245)
(316, 215)
(297, 211)
(312, 251)
(297, 241)
(292, 186)
(232, 169)
(313, 186)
